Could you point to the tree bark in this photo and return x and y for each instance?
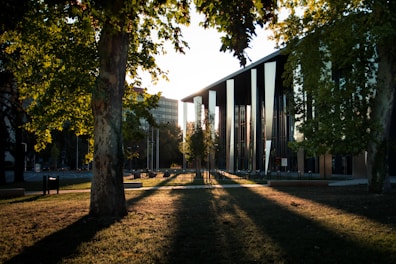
(107, 191)
(377, 158)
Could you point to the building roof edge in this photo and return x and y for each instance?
(232, 75)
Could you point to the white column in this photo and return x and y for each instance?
(248, 137)
(253, 76)
(148, 148)
(269, 90)
(198, 111)
(152, 149)
(212, 114)
(184, 124)
(230, 123)
(157, 150)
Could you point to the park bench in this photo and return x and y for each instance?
(129, 185)
(152, 174)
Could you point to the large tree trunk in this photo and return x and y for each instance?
(377, 159)
(107, 191)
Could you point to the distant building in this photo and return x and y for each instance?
(167, 111)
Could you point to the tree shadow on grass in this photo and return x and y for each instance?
(147, 193)
(300, 238)
(63, 243)
(197, 238)
(242, 225)
(213, 228)
(352, 199)
(25, 199)
(193, 238)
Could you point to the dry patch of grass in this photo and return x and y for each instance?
(173, 180)
(238, 225)
(27, 220)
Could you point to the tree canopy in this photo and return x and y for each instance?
(237, 21)
(341, 63)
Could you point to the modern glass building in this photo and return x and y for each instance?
(167, 111)
(254, 128)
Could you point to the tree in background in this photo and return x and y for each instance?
(170, 137)
(194, 148)
(137, 106)
(53, 63)
(200, 144)
(341, 57)
(55, 153)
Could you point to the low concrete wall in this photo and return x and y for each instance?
(133, 184)
(277, 183)
(10, 193)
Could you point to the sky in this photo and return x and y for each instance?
(202, 64)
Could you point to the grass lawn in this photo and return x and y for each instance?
(236, 225)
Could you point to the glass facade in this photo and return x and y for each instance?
(167, 111)
(255, 129)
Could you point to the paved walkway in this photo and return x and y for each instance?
(211, 186)
(356, 182)
(176, 187)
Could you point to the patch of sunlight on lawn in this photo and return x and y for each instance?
(237, 227)
(350, 226)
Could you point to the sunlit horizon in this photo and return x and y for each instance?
(202, 64)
